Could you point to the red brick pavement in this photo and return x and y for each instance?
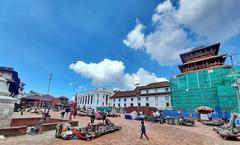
(129, 135)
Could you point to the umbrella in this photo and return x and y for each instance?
(204, 109)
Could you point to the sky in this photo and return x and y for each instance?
(112, 44)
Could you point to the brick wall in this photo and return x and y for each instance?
(19, 125)
(31, 121)
(13, 131)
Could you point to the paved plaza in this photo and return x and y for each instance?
(128, 135)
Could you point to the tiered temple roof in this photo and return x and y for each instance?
(202, 58)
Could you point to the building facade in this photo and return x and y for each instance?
(205, 81)
(98, 98)
(38, 100)
(152, 95)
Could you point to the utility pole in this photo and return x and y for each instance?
(231, 57)
(49, 83)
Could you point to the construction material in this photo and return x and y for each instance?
(212, 88)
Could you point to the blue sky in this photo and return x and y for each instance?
(39, 37)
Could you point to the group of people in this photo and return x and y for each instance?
(93, 116)
(65, 112)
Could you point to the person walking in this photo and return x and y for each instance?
(62, 114)
(92, 116)
(67, 110)
(104, 116)
(143, 130)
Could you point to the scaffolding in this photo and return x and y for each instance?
(213, 88)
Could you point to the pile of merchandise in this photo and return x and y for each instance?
(64, 131)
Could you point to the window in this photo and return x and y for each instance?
(119, 99)
(88, 99)
(147, 104)
(156, 90)
(146, 98)
(139, 99)
(125, 104)
(131, 104)
(147, 91)
(97, 101)
(91, 99)
(167, 104)
(85, 99)
(166, 89)
(113, 104)
(156, 98)
(139, 104)
(125, 99)
(118, 104)
(156, 104)
(166, 98)
(113, 100)
(103, 103)
(131, 99)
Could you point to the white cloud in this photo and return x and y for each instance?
(141, 77)
(214, 20)
(101, 72)
(111, 73)
(135, 38)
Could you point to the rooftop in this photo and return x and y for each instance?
(136, 91)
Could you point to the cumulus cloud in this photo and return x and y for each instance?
(135, 38)
(174, 28)
(141, 77)
(217, 20)
(102, 72)
(111, 73)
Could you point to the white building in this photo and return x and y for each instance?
(97, 98)
(6, 100)
(153, 95)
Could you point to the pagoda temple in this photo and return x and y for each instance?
(202, 58)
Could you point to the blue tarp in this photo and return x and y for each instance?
(195, 115)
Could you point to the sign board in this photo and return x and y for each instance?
(204, 116)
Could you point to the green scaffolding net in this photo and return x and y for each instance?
(213, 88)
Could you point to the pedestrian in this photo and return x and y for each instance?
(22, 111)
(92, 116)
(67, 111)
(75, 113)
(143, 130)
(104, 116)
(62, 114)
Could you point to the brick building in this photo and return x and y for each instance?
(39, 101)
